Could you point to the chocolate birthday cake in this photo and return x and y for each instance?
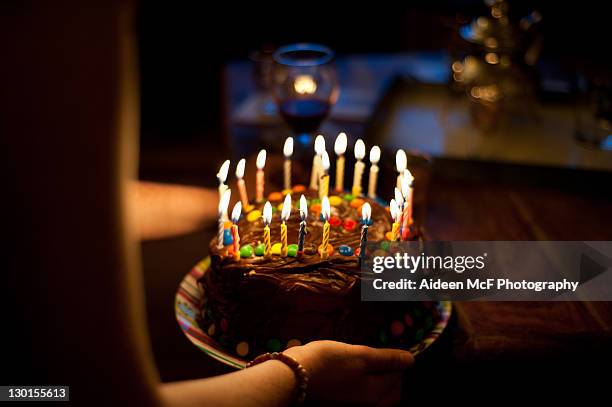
(257, 304)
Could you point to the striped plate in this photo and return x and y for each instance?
(188, 304)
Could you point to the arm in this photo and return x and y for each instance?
(338, 372)
(71, 143)
(165, 210)
(266, 385)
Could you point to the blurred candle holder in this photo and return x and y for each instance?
(305, 87)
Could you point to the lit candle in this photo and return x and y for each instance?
(285, 216)
(223, 204)
(359, 167)
(267, 218)
(303, 216)
(400, 164)
(407, 179)
(399, 199)
(325, 211)
(374, 158)
(340, 149)
(235, 236)
(288, 152)
(366, 213)
(395, 214)
(259, 186)
(304, 85)
(244, 197)
(324, 181)
(319, 146)
(222, 177)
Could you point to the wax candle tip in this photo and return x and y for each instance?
(375, 155)
(240, 168)
(261, 159)
(222, 174)
(288, 147)
(360, 149)
(341, 144)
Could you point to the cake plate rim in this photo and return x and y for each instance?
(188, 299)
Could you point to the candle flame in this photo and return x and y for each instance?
(236, 212)
(303, 208)
(319, 144)
(366, 212)
(400, 160)
(407, 179)
(304, 85)
(267, 213)
(325, 161)
(399, 198)
(222, 174)
(375, 155)
(394, 209)
(224, 201)
(240, 168)
(341, 143)
(261, 160)
(360, 149)
(286, 208)
(325, 209)
(288, 147)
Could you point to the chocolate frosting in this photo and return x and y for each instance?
(338, 273)
(257, 299)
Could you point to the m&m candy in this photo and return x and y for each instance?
(335, 221)
(275, 196)
(246, 251)
(254, 215)
(227, 237)
(276, 248)
(292, 250)
(335, 200)
(345, 250)
(349, 224)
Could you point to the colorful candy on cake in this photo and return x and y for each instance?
(287, 270)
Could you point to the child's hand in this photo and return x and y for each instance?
(352, 373)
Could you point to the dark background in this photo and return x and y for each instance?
(184, 46)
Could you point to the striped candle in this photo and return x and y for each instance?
(407, 179)
(223, 204)
(287, 152)
(235, 236)
(302, 233)
(324, 180)
(340, 149)
(260, 179)
(267, 218)
(285, 216)
(366, 214)
(359, 167)
(325, 211)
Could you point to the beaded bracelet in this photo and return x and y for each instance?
(301, 374)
